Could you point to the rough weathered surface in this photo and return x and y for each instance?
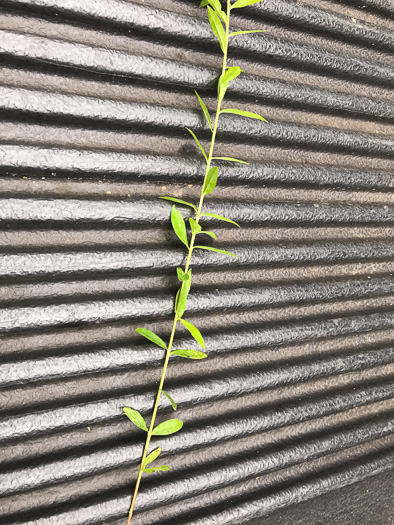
(289, 421)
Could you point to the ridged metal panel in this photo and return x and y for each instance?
(296, 399)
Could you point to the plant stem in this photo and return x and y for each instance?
(189, 255)
(163, 375)
(215, 127)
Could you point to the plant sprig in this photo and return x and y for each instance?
(220, 24)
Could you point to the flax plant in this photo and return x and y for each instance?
(219, 19)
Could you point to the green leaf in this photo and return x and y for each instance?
(196, 228)
(179, 201)
(205, 110)
(230, 159)
(211, 234)
(184, 292)
(173, 404)
(210, 248)
(176, 300)
(152, 456)
(191, 354)
(156, 469)
(195, 332)
(231, 73)
(136, 418)
(243, 113)
(179, 225)
(217, 28)
(220, 217)
(183, 276)
(198, 143)
(244, 3)
(246, 32)
(216, 5)
(168, 427)
(218, 9)
(152, 337)
(210, 181)
(225, 78)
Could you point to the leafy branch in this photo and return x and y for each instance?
(220, 24)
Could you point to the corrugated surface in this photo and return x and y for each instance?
(296, 398)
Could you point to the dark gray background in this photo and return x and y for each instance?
(289, 420)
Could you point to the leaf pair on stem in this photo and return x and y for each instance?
(164, 429)
(194, 331)
(179, 225)
(216, 16)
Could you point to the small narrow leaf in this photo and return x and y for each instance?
(210, 248)
(196, 228)
(212, 20)
(168, 427)
(218, 9)
(205, 110)
(220, 217)
(211, 234)
(225, 78)
(184, 292)
(176, 300)
(173, 404)
(230, 159)
(152, 337)
(198, 143)
(183, 276)
(216, 5)
(179, 225)
(136, 418)
(152, 456)
(217, 28)
(210, 181)
(191, 354)
(243, 113)
(246, 32)
(179, 201)
(244, 3)
(195, 332)
(231, 73)
(156, 469)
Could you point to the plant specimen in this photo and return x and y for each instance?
(220, 23)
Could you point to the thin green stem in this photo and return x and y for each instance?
(152, 423)
(214, 131)
(187, 265)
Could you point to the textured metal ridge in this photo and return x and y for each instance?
(295, 402)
